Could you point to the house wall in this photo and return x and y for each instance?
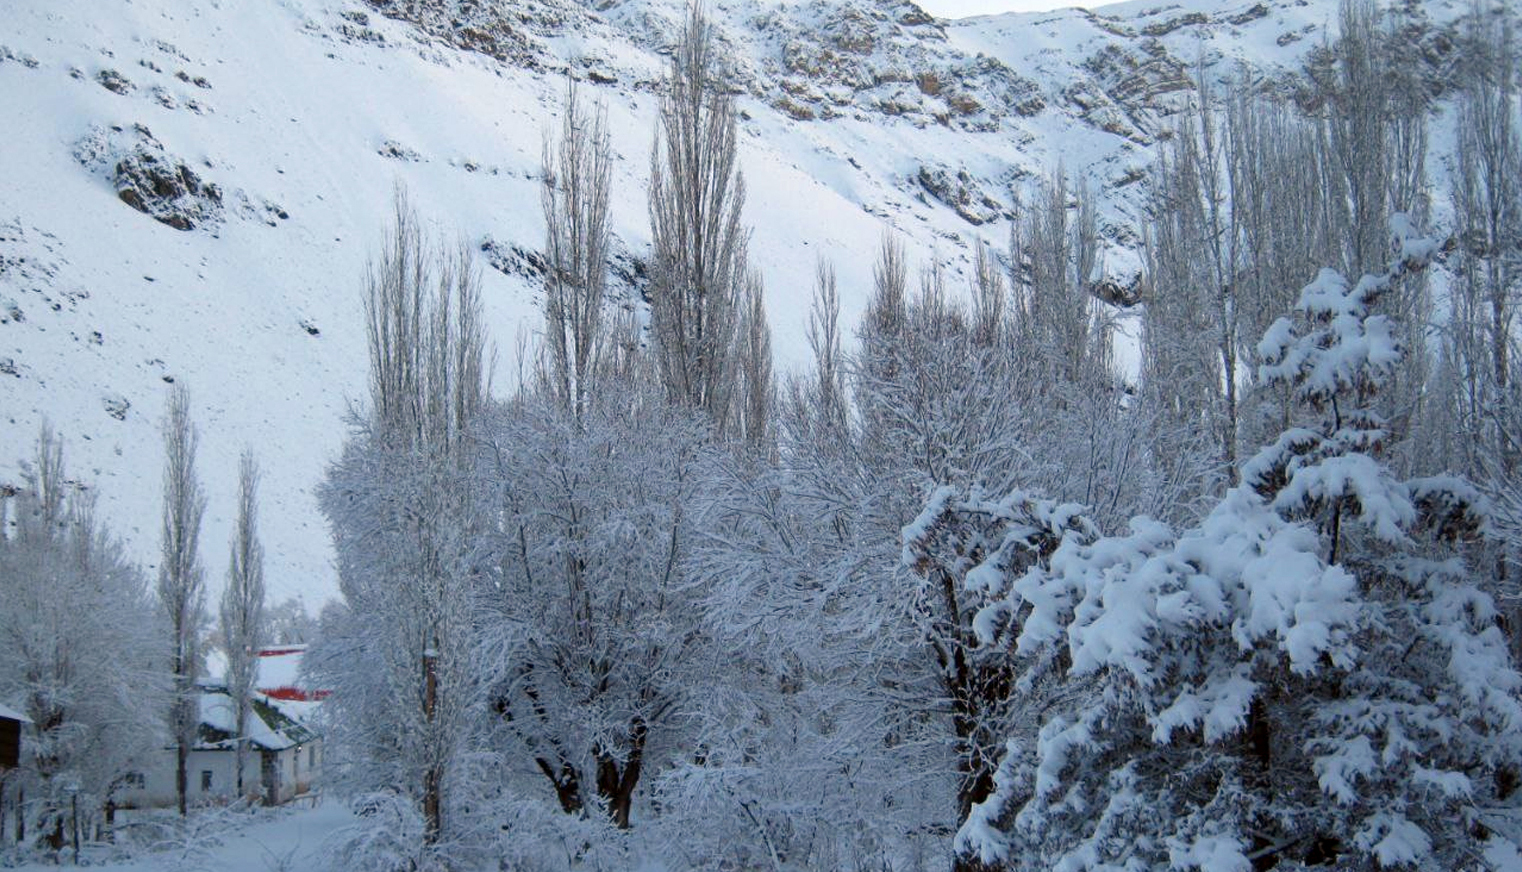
(158, 781)
(300, 770)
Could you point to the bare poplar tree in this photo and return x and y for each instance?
(242, 609)
(181, 583)
(575, 199)
(988, 296)
(1191, 336)
(1055, 257)
(754, 365)
(1489, 213)
(404, 526)
(824, 342)
(698, 270)
(1372, 146)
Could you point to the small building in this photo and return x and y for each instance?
(283, 759)
(10, 737)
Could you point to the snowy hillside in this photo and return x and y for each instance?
(267, 138)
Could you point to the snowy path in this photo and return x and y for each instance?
(288, 839)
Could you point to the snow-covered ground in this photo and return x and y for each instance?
(265, 840)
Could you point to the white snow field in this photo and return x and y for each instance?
(306, 115)
(288, 839)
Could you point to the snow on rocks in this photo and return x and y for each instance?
(150, 179)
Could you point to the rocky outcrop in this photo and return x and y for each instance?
(149, 179)
(961, 192)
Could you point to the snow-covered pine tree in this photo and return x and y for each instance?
(1253, 704)
(964, 546)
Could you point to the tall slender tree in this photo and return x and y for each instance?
(242, 611)
(182, 584)
(698, 275)
(575, 200)
(754, 368)
(405, 527)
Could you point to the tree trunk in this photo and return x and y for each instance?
(241, 749)
(433, 806)
(181, 775)
(617, 787)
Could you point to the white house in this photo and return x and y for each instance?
(283, 761)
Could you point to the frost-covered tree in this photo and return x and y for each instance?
(577, 182)
(1310, 676)
(588, 632)
(81, 656)
(856, 688)
(1055, 263)
(406, 530)
(697, 268)
(753, 364)
(1371, 161)
(1190, 323)
(182, 581)
(288, 623)
(241, 615)
(1480, 394)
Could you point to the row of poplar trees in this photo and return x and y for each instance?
(93, 651)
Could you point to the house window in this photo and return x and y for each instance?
(134, 781)
(205, 780)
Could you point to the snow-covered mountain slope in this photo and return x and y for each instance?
(265, 140)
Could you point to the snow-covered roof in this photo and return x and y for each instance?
(280, 667)
(268, 727)
(303, 711)
(278, 675)
(7, 712)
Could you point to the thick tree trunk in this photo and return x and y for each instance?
(241, 749)
(567, 784)
(433, 812)
(616, 784)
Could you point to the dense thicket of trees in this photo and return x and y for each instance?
(962, 593)
(106, 669)
(84, 658)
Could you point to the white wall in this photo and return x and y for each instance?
(159, 787)
(297, 775)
